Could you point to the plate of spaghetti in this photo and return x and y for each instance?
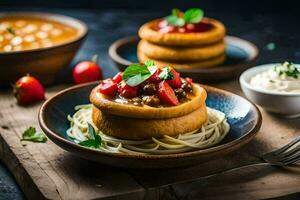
(148, 117)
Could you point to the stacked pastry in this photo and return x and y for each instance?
(183, 40)
(128, 107)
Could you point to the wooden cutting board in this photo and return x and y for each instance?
(44, 171)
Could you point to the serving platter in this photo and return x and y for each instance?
(240, 55)
(243, 117)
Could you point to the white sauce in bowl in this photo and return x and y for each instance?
(283, 78)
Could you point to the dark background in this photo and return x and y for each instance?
(262, 6)
(259, 21)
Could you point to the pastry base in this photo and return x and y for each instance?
(213, 62)
(140, 129)
(147, 112)
(216, 34)
(175, 53)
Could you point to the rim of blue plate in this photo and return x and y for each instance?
(54, 136)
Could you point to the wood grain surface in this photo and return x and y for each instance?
(44, 171)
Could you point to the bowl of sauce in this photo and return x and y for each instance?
(41, 44)
(275, 87)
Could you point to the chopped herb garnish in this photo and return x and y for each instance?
(31, 134)
(175, 21)
(179, 18)
(166, 74)
(94, 141)
(149, 63)
(271, 81)
(10, 30)
(287, 69)
(136, 73)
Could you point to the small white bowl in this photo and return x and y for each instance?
(283, 104)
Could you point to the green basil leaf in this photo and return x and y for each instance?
(98, 141)
(30, 134)
(133, 70)
(138, 79)
(88, 143)
(166, 74)
(91, 131)
(94, 141)
(135, 74)
(193, 15)
(94, 136)
(175, 21)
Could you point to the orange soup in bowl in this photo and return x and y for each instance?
(20, 33)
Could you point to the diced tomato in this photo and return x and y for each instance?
(127, 91)
(162, 24)
(167, 29)
(189, 80)
(166, 94)
(155, 77)
(176, 81)
(108, 88)
(202, 27)
(181, 30)
(117, 78)
(199, 27)
(190, 28)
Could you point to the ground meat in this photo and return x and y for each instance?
(186, 87)
(136, 101)
(149, 89)
(180, 93)
(152, 101)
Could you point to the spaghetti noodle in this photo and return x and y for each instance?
(210, 134)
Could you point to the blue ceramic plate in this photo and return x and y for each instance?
(240, 55)
(244, 119)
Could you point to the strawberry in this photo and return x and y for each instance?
(166, 94)
(117, 78)
(87, 71)
(176, 81)
(108, 88)
(154, 78)
(28, 90)
(127, 91)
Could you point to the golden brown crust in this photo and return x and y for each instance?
(138, 129)
(146, 112)
(175, 53)
(213, 62)
(217, 33)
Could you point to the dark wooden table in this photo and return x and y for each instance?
(108, 26)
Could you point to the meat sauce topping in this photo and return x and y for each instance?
(163, 27)
(147, 85)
